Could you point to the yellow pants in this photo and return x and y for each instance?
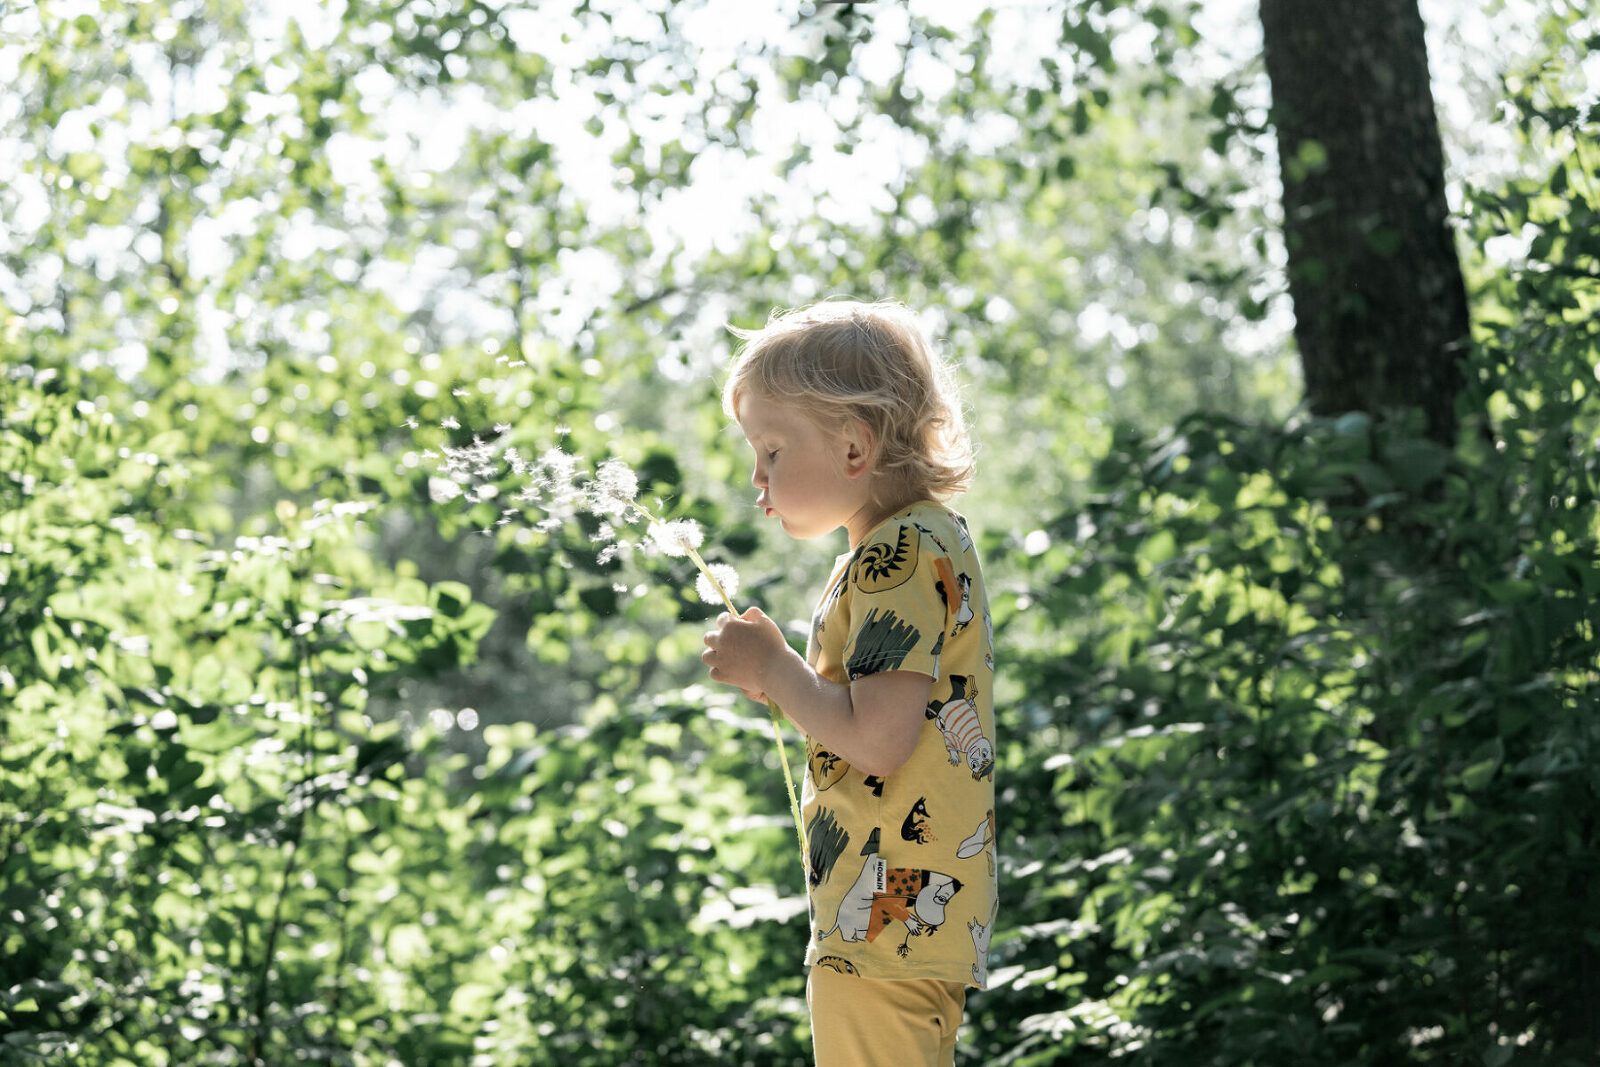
(862, 1022)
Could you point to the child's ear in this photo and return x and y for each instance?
(859, 449)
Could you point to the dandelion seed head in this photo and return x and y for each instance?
(678, 537)
(616, 486)
(706, 584)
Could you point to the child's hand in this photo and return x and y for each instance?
(743, 649)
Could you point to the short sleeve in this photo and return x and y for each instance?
(899, 584)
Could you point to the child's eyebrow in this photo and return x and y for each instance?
(755, 433)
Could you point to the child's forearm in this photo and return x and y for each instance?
(874, 741)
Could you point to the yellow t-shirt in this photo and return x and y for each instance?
(901, 874)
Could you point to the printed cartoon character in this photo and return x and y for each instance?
(980, 948)
(915, 827)
(946, 586)
(988, 639)
(980, 840)
(957, 719)
(916, 898)
(839, 964)
(964, 614)
(826, 767)
(962, 532)
(882, 895)
(930, 535)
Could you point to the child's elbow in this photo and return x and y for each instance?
(887, 760)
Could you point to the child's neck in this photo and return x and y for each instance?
(871, 516)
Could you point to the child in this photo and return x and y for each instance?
(855, 424)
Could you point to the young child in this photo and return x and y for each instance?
(855, 423)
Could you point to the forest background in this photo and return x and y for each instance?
(304, 758)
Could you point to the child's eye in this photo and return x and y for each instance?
(771, 453)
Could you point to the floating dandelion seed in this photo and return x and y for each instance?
(449, 422)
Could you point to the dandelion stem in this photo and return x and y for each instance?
(777, 718)
(772, 707)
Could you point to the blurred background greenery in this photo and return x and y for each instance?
(297, 765)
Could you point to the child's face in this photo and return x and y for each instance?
(811, 478)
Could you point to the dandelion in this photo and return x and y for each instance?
(556, 485)
(678, 537)
(615, 488)
(717, 584)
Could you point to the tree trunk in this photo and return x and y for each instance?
(1380, 307)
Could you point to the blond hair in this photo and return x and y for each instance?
(840, 361)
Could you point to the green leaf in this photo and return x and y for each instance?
(451, 598)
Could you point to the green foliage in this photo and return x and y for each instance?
(213, 853)
(295, 765)
(1328, 791)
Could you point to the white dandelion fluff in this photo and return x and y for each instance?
(561, 486)
(717, 584)
(678, 537)
(616, 486)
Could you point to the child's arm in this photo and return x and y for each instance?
(873, 723)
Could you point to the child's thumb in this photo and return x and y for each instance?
(753, 614)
